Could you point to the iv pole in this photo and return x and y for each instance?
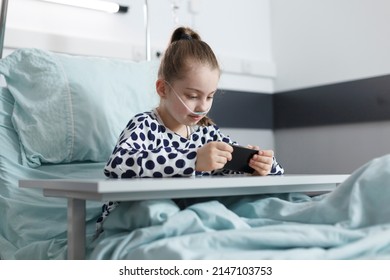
(147, 31)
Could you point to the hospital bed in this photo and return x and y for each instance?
(60, 116)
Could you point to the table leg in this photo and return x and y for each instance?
(76, 229)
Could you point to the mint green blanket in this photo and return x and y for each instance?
(352, 222)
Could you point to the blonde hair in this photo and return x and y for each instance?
(185, 46)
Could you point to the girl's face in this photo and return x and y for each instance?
(187, 100)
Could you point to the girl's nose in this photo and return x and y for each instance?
(203, 105)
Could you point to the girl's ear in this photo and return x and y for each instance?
(160, 87)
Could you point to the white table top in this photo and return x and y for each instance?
(77, 191)
(153, 188)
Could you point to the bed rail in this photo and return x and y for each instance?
(3, 20)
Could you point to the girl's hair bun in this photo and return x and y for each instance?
(184, 33)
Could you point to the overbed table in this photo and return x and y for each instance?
(77, 191)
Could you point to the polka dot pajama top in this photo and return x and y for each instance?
(146, 148)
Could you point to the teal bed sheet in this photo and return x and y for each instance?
(352, 222)
(33, 226)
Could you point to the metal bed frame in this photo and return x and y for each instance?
(3, 20)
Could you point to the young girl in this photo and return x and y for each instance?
(177, 138)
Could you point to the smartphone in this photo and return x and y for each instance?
(240, 159)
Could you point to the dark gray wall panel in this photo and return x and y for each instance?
(237, 109)
(357, 101)
(364, 100)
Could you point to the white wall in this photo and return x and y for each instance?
(317, 42)
(338, 149)
(238, 31)
(264, 138)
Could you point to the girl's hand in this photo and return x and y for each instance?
(262, 161)
(212, 156)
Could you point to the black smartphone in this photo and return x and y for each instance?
(240, 159)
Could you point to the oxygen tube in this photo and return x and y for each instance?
(185, 105)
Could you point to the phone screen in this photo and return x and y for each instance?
(240, 159)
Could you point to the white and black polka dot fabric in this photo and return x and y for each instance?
(146, 148)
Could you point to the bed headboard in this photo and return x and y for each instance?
(148, 52)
